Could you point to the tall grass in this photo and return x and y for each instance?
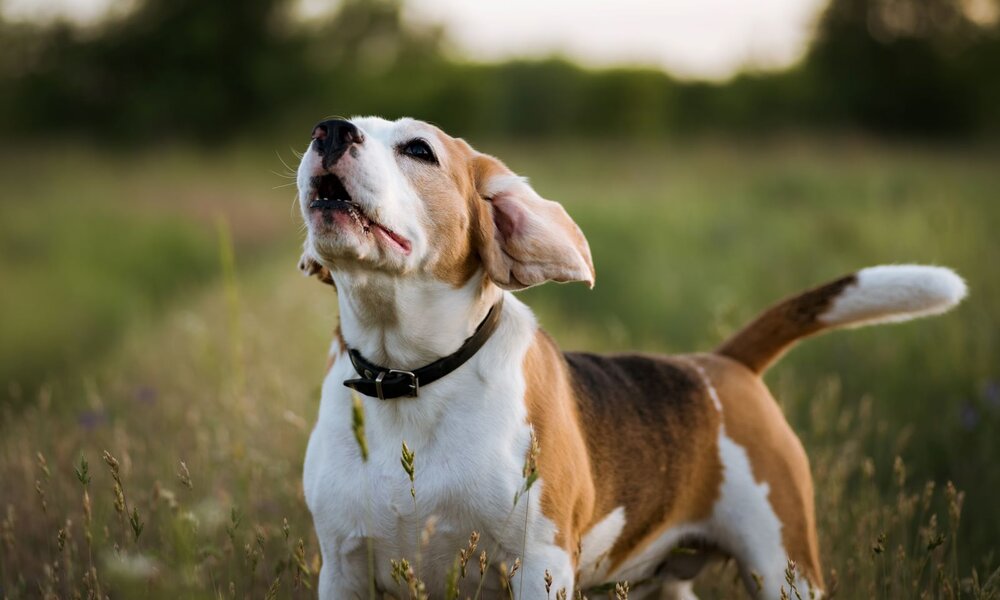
(204, 496)
(89, 241)
(204, 408)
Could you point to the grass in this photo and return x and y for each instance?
(92, 242)
(204, 385)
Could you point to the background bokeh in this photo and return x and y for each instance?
(150, 306)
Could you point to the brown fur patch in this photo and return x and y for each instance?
(338, 347)
(448, 193)
(652, 437)
(563, 464)
(754, 420)
(769, 335)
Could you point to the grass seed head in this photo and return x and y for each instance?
(358, 425)
(396, 570)
(184, 475)
(119, 498)
(790, 568)
(531, 459)
(406, 459)
(136, 523)
(430, 526)
(111, 461)
(879, 546)
(955, 500)
(466, 553)
(40, 492)
(43, 466)
(899, 472)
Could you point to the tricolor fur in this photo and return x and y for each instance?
(638, 455)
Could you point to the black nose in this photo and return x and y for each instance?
(332, 138)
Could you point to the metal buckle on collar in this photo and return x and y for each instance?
(414, 382)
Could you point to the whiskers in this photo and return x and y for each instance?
(289, 173)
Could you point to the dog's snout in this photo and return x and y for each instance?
(340, 131)
(332, 138)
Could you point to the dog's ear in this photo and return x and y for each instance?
(311, 267)
(522, 238)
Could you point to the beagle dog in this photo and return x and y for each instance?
(576, 470)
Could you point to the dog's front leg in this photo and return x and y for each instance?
(344, 573)
(531, 582)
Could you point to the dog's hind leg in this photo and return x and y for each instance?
(344, 574)
(530, 580)
(760, 537)
(678, 589)
(659, 589)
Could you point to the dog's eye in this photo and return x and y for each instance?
(418, 149)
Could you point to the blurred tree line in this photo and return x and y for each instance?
(215, 70)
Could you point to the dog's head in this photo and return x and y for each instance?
(405, 199)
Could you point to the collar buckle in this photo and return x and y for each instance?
(414, 381)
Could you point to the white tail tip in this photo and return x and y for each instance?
(892, 293)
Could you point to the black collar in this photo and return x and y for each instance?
(384, 383)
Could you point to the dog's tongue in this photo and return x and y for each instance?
(397, 240)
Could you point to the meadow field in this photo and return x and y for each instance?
(162, 356)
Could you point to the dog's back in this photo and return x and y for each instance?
(702, 456)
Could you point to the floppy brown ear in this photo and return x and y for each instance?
(524, 239)
(311, 267)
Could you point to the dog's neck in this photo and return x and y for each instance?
(408, 322)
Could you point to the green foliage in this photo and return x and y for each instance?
(89, 246)
(690, 241)
(221, 70)
(168, 68)
(910, 66)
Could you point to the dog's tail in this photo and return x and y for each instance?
(883, 294)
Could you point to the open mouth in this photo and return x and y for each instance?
(331, 196)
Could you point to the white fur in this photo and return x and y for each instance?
(470, 450)
(469, 434)
(891, 293)
(678, 590)
(743, 522)
(596, 545)
(376, 182)
(469, 430)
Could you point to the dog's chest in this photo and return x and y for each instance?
(467, 464)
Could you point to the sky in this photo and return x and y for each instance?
(701, 39)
